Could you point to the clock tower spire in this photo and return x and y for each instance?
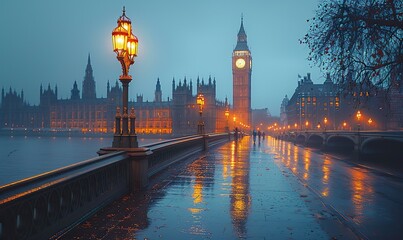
(241, 75)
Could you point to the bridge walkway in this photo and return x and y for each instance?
(235, 191)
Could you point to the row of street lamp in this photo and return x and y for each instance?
(358, 115)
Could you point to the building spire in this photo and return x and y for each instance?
(88, 90)
(241, 44)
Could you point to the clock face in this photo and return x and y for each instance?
(240, 63)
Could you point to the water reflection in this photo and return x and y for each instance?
(318, 171)
(307, 161)
(326, 174)
(362, 193)
(203, 179)
(240, 196)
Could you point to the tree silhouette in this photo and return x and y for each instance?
(358, 42)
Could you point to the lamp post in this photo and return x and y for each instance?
(226, 116)
(125, 45)
(358, 115)
(200, 102)
(325, 121)
(370, 122)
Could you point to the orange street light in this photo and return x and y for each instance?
(226, 113)
(358, 115)
(200, 102)
(370, 121)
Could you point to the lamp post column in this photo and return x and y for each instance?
(125, 120)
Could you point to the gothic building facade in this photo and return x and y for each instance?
(89, 114)
(312, 103)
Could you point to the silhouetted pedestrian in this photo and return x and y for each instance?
(254, 136)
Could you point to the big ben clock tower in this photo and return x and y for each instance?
(241, 73)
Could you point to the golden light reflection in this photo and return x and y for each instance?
(325, 192)
(307, 162)
(326, 170)
(296, 153)
(225, 171)
(197, 193)
(362, 192)
(240, 197)
(195, 210)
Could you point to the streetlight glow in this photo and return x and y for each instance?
(200, 102)
(358, 115)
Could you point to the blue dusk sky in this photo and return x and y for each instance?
(48, 41)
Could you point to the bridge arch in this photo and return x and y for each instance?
(342, 144)
(315, 141)
(382, 149)
(300, 139)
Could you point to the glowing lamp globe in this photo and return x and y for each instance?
(132, 46)
(200, 100)
(119, 39)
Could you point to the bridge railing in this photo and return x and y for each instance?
(39, 207)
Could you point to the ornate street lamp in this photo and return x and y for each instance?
(125, 45)
(226, 116)
(200, 102)
(370, 122)
(358, 115)
(325, 121)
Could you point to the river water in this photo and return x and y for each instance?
(26, 156)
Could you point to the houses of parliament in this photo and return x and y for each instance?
(177, 116)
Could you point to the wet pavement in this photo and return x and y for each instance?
(270, 190)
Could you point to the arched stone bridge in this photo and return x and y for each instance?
(388, 143)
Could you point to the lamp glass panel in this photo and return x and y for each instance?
(119, 42)
(132, 46)
(127, 26)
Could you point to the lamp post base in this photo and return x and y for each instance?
(125, 141)
(200, 128)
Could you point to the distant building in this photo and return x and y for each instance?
(283, 111)
(90, 114)
(260, 117)
(312, 103)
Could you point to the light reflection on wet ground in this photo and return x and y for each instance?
(272, 190)
(367, 200)
(233, 192)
